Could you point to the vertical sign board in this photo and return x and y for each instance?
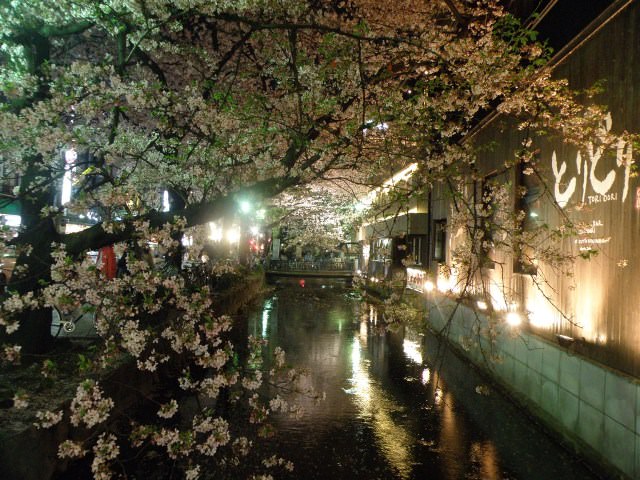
(597, 188)
(275, 249)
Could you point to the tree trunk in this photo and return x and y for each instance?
(33, 265)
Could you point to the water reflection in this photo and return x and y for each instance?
(376, 406)
(395, 407)
(426, 376)
(484, 454)
(412, 351)
(266, 311)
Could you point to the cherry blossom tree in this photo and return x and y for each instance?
(211, 100)
(214, 102)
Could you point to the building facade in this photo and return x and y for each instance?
(563, 340)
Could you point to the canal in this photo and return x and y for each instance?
(398, 405)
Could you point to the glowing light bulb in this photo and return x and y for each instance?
(514, 319)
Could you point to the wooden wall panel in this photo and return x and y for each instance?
(602, 299)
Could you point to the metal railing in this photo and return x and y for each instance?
(332, 265)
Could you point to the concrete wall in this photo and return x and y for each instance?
(594, 409)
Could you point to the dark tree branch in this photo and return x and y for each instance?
(195, 214)
(455, 12)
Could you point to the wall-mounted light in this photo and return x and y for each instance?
(514, 319)
(564, 340)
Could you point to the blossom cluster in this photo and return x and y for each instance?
(105, 450)
(47, 419)
(89, 406)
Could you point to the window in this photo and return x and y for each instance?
(485, 219)
(528, 193)
(440, 241)
(415, 248)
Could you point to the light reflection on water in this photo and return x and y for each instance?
(374, 405)
(412, 351)
(393, 408)
(266, 312)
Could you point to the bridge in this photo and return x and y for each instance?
(333, 268)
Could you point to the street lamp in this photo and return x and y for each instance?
(245, 206)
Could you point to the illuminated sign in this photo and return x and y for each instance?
(565, 187)
(416, 279)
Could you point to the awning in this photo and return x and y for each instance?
(10, 207)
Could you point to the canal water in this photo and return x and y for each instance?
(398, 405)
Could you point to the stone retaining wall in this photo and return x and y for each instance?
(593, 408)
